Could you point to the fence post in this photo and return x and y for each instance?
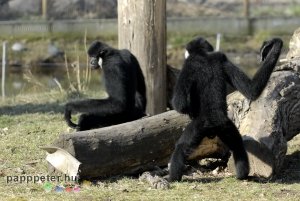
(3, 68)
(218, 41)
(44, 9)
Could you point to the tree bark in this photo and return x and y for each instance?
(142, 30)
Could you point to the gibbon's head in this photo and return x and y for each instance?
(97, 51)
(198, 46)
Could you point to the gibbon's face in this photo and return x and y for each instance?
(96, 53)
(197, 46)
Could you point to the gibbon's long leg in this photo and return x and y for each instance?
(189, 140)
(100, 106)
(90, 121)
(230, 135)
(99, 120)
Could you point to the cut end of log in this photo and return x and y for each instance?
(62, 160)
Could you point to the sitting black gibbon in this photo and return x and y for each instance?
(200, 92)
(125, 86)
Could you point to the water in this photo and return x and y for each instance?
(39, 79)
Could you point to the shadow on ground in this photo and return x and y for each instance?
(30, 108)
(290, 172)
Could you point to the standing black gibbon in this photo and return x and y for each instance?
(200, 92)
(125, 86)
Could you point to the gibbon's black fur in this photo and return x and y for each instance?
(200, 92)
(125, 86)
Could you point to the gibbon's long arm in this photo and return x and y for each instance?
(252, 88)
(100, 106)
(181, 97)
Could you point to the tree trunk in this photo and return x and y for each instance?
(142, 30)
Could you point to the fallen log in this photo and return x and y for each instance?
(131, 147)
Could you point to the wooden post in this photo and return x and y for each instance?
(247, 16)
(246, 8)
(142, 30)
(3, 69)
(44, 9)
